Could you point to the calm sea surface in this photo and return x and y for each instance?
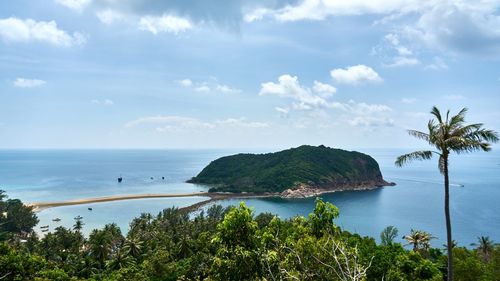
(416, 202)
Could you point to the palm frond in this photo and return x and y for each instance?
(483, 135)
(465, 130)
(416, 155)
(419, 135)
(433, 131)
(470, 146)
(459, 119)
(474, 140)
(435, 111)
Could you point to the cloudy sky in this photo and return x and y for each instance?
(238, 73)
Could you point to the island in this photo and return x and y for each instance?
(304, 171)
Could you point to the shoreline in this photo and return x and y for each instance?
(40, 206)
(211, 197)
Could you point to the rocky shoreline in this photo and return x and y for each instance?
(305, 190)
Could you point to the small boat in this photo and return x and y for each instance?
(120, 179)
(162, 178)
(45, 230)
(90, 209)
(78, 217)
(44, 226)
(152, 178)
(57, 220)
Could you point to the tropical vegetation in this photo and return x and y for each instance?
(228, 244)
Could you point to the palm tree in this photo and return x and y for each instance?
(78, 224)
(119, 260)
(388, 235)
(484, 247)
(447, 135)
(100, 246)
(419, 239)
(133, 247)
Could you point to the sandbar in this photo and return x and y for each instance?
(212, 196)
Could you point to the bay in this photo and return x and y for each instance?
(415, 202)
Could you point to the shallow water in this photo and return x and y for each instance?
(416, 201)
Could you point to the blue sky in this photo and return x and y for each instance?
(246, 74)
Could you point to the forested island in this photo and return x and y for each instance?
(297, 172)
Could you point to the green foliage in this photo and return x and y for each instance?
(388, 235)
(420, 240)
(16, 219)
(232, 244)
(413, 267)
(322, 218)
(275, 172)
(237, 257)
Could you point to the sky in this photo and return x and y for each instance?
(242, 74)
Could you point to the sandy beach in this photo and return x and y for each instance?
(39, 206)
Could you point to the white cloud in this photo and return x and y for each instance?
(202, 89)
(457, 26)
(454, 97)
(288, 86)
(438, 64)
(282, 110)
(76, 5)
(208, 86)
(320, 9)
(417, 115)
(165, 23)
(183, 124)
(18, 30)
(408, 100)
(227, 89)
(256, 14)
(186, 82)
(355, 75)
(452, 26)
(394, 41)
(353, 113)
(403, 61)
(366, 109)
(369, 121)
(241, 122)
(103, 102)
(394, 53)
(28, 83)
(109, 16)
(324, 90)
(368, 115)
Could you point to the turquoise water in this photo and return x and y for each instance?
(416, 201)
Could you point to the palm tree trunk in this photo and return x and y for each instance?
(448, 219)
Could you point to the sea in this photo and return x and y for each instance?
(416, 202)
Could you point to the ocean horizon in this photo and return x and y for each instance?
(40, 175)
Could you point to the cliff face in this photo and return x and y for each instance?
(297, 172)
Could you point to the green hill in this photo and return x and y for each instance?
(317, 167)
